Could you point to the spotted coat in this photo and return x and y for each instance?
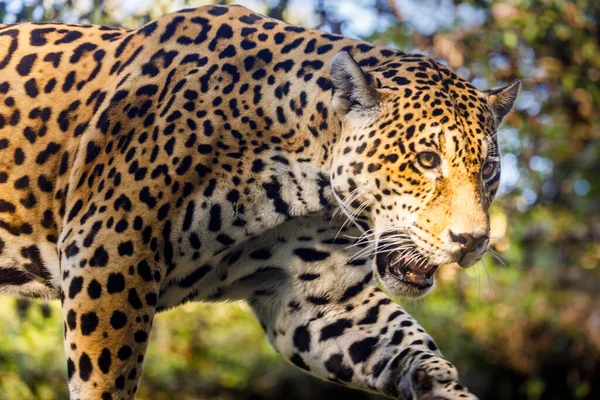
(219, 154)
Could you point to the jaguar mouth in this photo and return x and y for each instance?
(408, 267)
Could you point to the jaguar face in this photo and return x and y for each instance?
(417, 165)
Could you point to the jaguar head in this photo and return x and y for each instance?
(417, 164)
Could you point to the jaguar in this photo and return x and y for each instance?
(217, 154)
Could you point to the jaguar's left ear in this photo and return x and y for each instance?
(502, 99)
(352, 86)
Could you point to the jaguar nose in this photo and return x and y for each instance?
(468, 243)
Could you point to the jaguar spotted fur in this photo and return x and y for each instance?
(219, 154)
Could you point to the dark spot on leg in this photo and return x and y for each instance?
(85, 367)
(89, 323)
(75, 286)
(124, 353)
(335, 365)
(311, 255)
(118, 319)
(360, 351)
(297, 360)
(104, 361)
(116, 283)
(302, 338)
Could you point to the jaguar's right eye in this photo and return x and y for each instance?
(428, 160)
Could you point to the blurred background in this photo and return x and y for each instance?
(522, 325)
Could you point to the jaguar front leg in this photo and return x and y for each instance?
(324, 314)
(367, 343)
(108, 301)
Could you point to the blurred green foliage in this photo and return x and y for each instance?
(526, 326)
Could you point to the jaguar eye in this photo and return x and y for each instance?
(428, 160)
(488, 169)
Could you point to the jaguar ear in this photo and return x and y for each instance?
(352, 86)
(502, 99)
